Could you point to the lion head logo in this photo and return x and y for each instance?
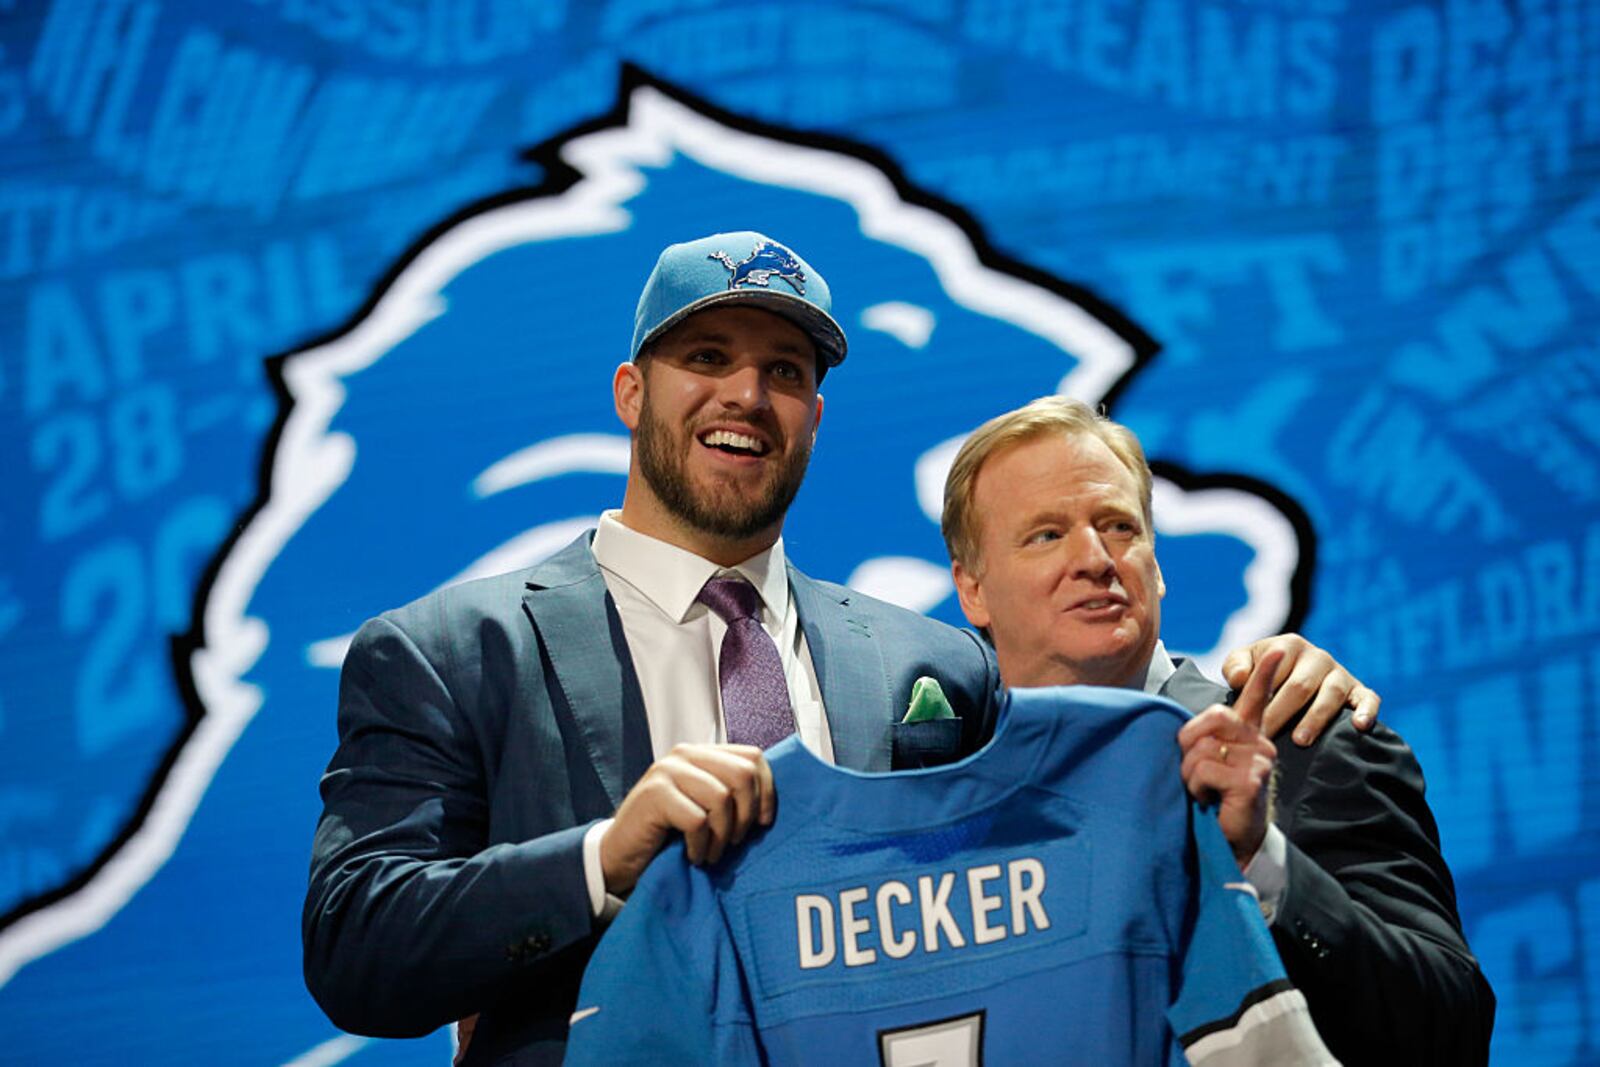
(462, 425)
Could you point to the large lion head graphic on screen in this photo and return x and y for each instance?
(462, 425)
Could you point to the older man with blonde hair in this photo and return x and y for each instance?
(1048, 521)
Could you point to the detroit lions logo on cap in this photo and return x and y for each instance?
(767, 260)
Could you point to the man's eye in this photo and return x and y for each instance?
(1043, 536)
(789, 372)
(1124, 527)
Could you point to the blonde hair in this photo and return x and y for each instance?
(1048, 414)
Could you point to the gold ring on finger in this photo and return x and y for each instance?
(1222, 753)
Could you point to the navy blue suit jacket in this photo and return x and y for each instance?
(483, 729)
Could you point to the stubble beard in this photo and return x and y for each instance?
(720, 510)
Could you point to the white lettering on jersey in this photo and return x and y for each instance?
(854, 954)
(895, 947)
(891, 921)
(1027, 897)
(983, 904)
(936, 912)
(807, 906)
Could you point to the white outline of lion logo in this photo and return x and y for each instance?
(310, 462)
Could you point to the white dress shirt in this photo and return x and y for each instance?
(676, 642)
(1268, 870)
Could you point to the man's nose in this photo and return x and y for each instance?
(1088, 555)
(746, 388)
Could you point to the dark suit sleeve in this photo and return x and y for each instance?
(410, 921)
(1368, 928)
(973, 688)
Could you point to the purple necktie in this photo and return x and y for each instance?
(755, 698)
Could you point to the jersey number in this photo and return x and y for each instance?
(955, 1042)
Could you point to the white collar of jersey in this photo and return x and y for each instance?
(671, 577)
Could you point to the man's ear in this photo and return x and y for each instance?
(969, 590)
(1161, 581)
(627, 392)
(817, 421)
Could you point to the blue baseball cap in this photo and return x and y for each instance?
(745, 268)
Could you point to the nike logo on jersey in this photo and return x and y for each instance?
(855, 924)
(580, 1015)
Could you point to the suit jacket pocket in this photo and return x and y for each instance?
(929, 743)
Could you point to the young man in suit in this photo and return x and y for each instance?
(1047, 519)
(513, 751)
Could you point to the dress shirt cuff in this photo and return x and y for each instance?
(602, 905)
(1268, 872)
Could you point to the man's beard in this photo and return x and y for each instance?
(719, 510)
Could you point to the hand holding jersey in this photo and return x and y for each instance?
(1226, 757)
(711, 794)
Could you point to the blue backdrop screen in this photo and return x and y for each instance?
(308, 307)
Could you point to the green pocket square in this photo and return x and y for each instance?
(927, 702)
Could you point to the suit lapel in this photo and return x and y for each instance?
(849, 663)
(582, 634)
(578, 625)
(1193, 690)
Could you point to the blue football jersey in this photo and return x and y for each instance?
(1053, 898)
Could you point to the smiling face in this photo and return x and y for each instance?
(724, 409)
(1065, 577)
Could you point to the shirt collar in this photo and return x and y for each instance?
(671, 577)
(1161, 668)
